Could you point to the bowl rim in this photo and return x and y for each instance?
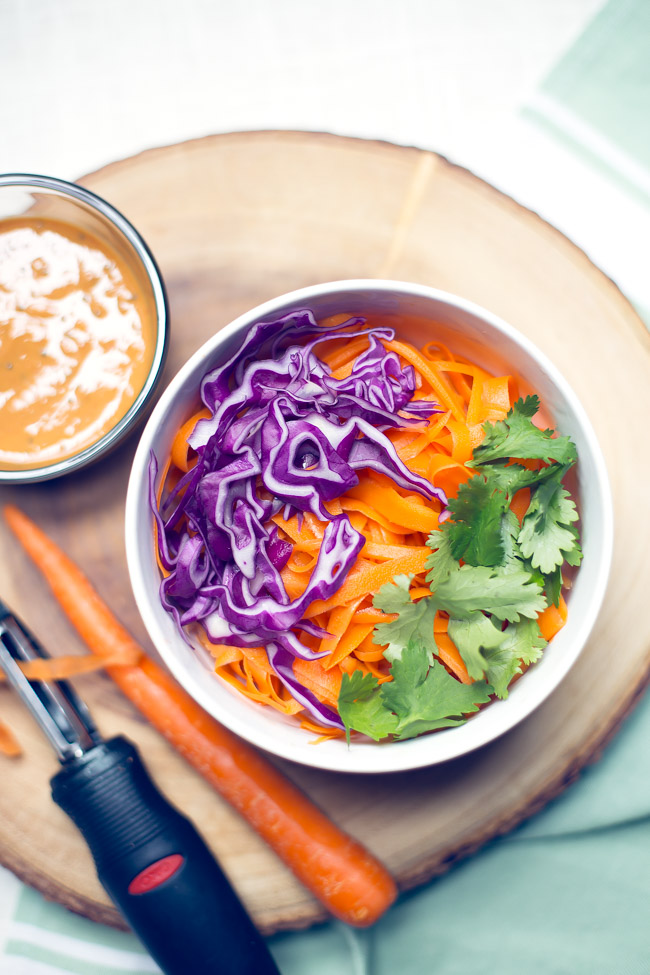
(113, 436)
(394, 756)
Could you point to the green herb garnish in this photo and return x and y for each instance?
(490, 574)
(422, 696)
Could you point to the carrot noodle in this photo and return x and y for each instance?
(69, 665)
(61, 668)
(180, 448)
(552, 619)
(9, 745)
(395, 522)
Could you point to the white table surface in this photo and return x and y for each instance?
(85, 82)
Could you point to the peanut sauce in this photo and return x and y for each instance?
(76, 341)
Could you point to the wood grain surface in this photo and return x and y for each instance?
(234, 220)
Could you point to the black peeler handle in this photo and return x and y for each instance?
(157, 868)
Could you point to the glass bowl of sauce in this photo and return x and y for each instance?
(83, 327)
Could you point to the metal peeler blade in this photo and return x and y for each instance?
(61, 714)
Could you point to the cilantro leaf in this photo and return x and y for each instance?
(426, 697)
(509, 533)
(441, 562)
(522, 644)
(465, 590)
(475, 532)
(495, 654)
(552, 585)
(361, 707)
(473, 637)
(511, 477)
(574, 555)
(517, 436)
(507, 595)
(421, 697)
(415, 620)
(547, 535)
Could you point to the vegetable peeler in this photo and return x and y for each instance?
(150, 859)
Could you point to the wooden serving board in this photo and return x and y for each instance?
(234, 220)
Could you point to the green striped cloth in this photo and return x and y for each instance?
(569, 892)
(596, 99)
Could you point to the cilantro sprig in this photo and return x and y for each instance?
(548, 536)
(489, 574)
(516, 436)
(422, 696)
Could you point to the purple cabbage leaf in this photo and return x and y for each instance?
(284, 436)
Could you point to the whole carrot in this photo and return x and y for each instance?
(339, 871)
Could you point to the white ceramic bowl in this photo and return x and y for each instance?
(469, 330)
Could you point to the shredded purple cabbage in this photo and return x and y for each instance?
(284, 436)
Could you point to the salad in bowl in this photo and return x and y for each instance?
(355, 526)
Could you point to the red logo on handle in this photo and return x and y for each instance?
(156, 873)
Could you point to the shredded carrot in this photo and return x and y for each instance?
(371, 615)
(69, 665)
(325, 684)
(9, 744)
(339, 621)
(369, 579)
(324, 734)
(180, 447)
(451, 658)
(351, 640)
(430, 372)
(552, 619)
(520, 502)
(406, 512)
